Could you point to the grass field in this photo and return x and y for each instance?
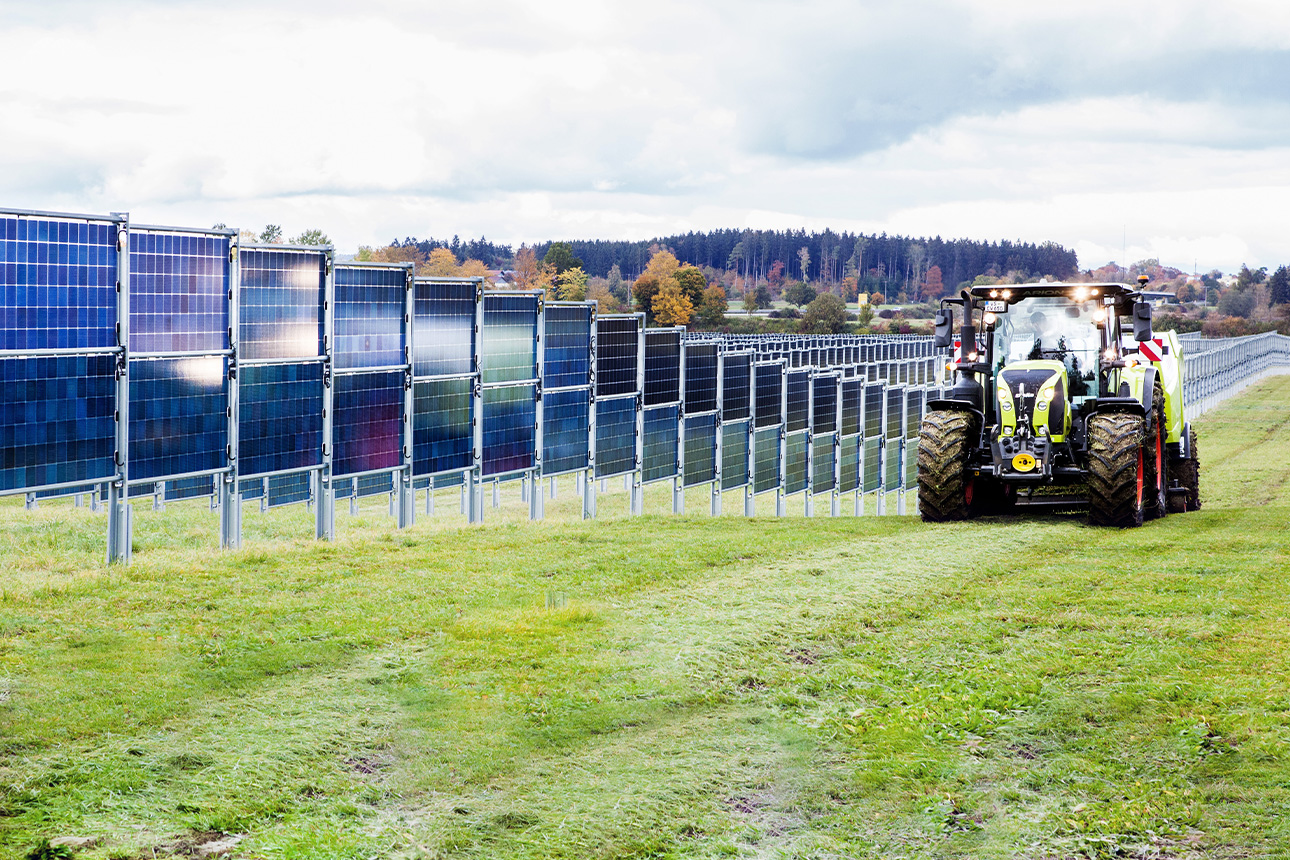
(659, 686)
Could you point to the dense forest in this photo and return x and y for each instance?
(881, 262)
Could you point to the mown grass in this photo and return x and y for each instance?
(659, 686)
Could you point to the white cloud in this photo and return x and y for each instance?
(1078, 123)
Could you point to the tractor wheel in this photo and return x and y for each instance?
(945, 485)
(1189, 475)
(1157, 460)
(1117, 470)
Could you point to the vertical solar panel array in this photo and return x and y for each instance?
(849, 436)
(180, 384)
(445, 314)
(702, 419)
(617, 401)
(768, 419)
(662, 399)
(509, 376)
(372, 368)
(736, 414)
(58, 410)
(824, 425)
(567, 363)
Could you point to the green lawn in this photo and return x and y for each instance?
(660, 686)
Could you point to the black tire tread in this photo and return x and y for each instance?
(1115, 441)
(1156, 492)
(944, 444)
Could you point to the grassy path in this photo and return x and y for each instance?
(662, 686)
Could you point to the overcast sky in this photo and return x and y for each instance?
(1121, 129)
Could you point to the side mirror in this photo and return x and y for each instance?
(944, 329)
(1141, 322)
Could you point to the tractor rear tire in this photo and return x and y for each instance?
(1116, 470)
(1156, 459)
(945, 484)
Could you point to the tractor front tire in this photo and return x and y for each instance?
(945, 484)
(1117, 470)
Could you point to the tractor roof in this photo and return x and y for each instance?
(1017, 292)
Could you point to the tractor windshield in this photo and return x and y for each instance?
(1051, 327)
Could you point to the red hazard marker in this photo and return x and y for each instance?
(1152, 350)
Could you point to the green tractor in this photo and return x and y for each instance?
(1053, 406)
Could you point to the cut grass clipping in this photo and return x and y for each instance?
(657, 686)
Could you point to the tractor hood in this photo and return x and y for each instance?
(1032, 399)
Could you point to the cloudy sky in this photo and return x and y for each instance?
(1123, 129)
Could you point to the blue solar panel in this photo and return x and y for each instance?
(442, 433)
(736, 387)
(368, 485)
(873, 400)
(734, 454)
(444, 322)
(289, 489)
(370, 305)
(895, 412)
(178, 291)
(615, 436)
(57, 420)
(57, 284)
(662, 367)
(700, 378)
(565, 430)
(662, 430)
(566, 357)
(616, 356)
(280, 313)
(700, 449)
(508, 348)
(367, 422)
(280, 420)
(510, 429)
(849, 457)
(872, 472)
(178, 416)
(192, 488)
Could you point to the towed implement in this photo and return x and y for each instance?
(1063, 396)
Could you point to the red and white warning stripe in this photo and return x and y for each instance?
(1152, 350)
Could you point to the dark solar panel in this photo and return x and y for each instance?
(913, 412)
(662, 367)
(178, 416)
(289, 489)
(508, 348)
(736, 387)
(700, 449)
(615, 436)
(375, 485)
(895, 412)
(370, 304)
(874, 398)
(892, 472)
(765, 459)
(442, 435)
(662, 428)
(734, 454)
(852, 394)
(57, 284)
(769, 403)
(193, 488)
(700, 378)
(824, 403)
(566, 357)
(280, 420)
(510, 429)
(367, 422)
(444, 322)
(178, 291)
(616, 357)
(566, 419)
(799, 400)
(280, 313)
(57, 420)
